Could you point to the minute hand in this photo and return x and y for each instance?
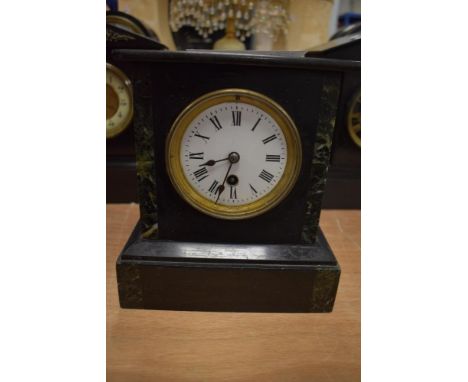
(221, 188)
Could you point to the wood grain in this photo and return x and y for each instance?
(172, 346)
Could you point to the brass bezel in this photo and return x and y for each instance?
(111, 133)
(207, 206)
(349, 119)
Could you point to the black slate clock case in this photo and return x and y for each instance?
(179, 258)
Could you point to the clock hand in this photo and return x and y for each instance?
(233, 158)
(221, 187)
(212, 162)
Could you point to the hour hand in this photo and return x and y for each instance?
(212, 162)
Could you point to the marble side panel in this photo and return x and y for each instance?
(144, 136)
(321, 158)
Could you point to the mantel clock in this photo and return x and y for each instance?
(232, 154)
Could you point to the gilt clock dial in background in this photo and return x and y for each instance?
(119, 103)
(233, 154)
(354, 118)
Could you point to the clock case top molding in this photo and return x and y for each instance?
(165, 82)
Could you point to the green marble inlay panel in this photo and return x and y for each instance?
(146, 169)
(321, 159)
(324, 290)
(129, 285)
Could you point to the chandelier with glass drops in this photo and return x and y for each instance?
(249, 16)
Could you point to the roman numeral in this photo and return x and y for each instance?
(213, 186)
(197, 155)
(272, 158)
(205, 139)
(214, 120)
(269, 139)
(233, 193)
(236, 118)
(199, 174)
(266, 176)
(256, 123)
(253, 189)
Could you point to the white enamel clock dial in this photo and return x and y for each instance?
(119, 103)
(238, 128)
(234, 154)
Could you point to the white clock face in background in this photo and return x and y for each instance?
(253, 139)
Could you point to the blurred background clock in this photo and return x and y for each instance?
(124, 31)
(119, 102)
(354, 118)
(344, 177)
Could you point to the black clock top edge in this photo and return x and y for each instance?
(327, 49)
(297, 60)
(119, 38)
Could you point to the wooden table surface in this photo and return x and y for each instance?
(196, 346)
